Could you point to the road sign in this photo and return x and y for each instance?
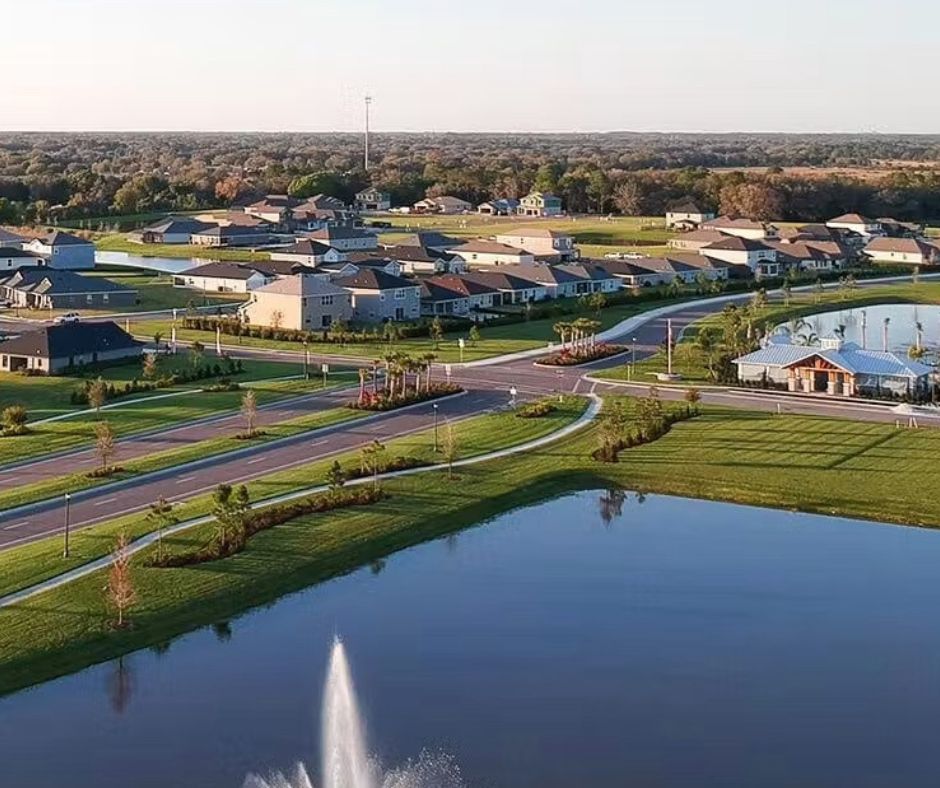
(462, 342)
(447, 370)
(324, 368)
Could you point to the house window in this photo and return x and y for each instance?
(400, 294)
(104, 297)
(88, 298)
(326, 300)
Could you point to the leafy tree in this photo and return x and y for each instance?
(335, 477)
(120, 588)
(104, 445)
(161, 516)
(97, 394)
(474, 335)
(14, 418)
(149, 366)
(436, 331)
(230, 509)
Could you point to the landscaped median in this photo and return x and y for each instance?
(814, 464)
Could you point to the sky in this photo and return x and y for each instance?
(473, 65)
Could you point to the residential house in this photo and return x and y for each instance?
(481, 252)
(687, 215)
(760, 258)
(64, 251)
(568, 280)
(12, 240)
(694, 240)
(309, 252)
(807, 256)
(833, 367)
(42, 287)
(633, 275)
(274, 208)
(237, 218)
(223, 278)
(499, 207)
(856, 223)
(373, 199)
(512, 289)
(322, 202)
(711, 268)
(303, 302)
(669, 269)
(458, 296)
(550, 246)
(361, 260)
(310, 219)
(540, 204)
(430, 241)
(912, 251)
(419, 260)
(12, 257)
(345, 238)
(53, 349)
(172, 230)
(443, 205)
(378, 296)
(898, 229)
(232, 235)
(742, 228)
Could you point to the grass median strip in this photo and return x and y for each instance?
(814, 464)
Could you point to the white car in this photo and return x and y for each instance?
(68, 317)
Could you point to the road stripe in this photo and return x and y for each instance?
(256, 459)
(185, 479)
(105, 501)
(15, 525)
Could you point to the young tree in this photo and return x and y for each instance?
(120, 588)
(335, 477)
(250, 411)
(196, 353)
(150, 366)
(161, 517)
(157, 339)
(450, 447)
(104, 444)
(817, 290)
(436, 331)
(97, 394)
(474, 335)
(230, 508)
(277, 319)
(598, 301)
(692, 397)
(14, 420)
(372, 459)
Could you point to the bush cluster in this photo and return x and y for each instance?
(569, 358)
(230, 367)
(328, 336)
(536, 410)
(645, 432)
(383, 401)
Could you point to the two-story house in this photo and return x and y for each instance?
(373, 199)
(540, 204)
(548, 246)
(64, 251)
(303, 302)
(378, 296)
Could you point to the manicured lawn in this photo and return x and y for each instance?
(150, 414)
(689, 362)
(121, 243)
(23, 566)
(812, 464)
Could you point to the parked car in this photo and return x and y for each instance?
(68, 317)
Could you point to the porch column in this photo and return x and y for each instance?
(849, 386)
(831, 383)
(791, 380)
(807, 377)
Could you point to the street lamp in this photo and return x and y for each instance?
(306, 362)
(68, 506)
(435, 426)
(632, 357)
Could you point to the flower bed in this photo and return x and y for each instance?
(383, 400)
(572, 358)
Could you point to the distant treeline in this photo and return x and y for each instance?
(46, 177)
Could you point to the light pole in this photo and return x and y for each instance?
(435, 426)
(68, 506)
(306, 362)
(632, 356)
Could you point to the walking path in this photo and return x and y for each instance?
(150, 539)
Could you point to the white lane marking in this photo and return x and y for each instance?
(252, 462)
(318, 443)
(15, 525)
(185, 479)
(105, 501)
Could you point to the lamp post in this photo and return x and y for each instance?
(306, 362)
(435, 426)
(632, 356)
(68, 507)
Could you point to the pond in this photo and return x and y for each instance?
(166, 265)
(902, 325)
(590, 640)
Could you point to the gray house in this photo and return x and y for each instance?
(64, 251)
(379, 296)
(54, 349)
(47, 288)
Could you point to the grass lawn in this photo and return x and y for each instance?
(121, 243)
(813, 464)
(31, 563)
(689, 362)
(494, 340)
(151, 413)
(155, 293)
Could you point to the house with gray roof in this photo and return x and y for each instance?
(232, 235)
(12, 240)
(224, 278)
(13, 257)
(64, 250)
(833, 367)
(42, 287)
(378, 296)
(303, 302)
(456, 295)
(172, 230)
(54, 349)
(345, 238)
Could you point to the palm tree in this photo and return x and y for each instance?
(363, 375)
(429, 359)
(919, 328)
(562, 329)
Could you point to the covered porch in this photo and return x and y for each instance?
(819, 375)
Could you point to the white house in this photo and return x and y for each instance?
(487, 253)
(443, 205)
(540, 204)
(913, 251)
(345, 238)
(309, 252)
(759, 257)
(373, 199)
(856, 223)
(742, 228)
(499, 207)
(64, 251)
(222, 278)
(547, 245)
(687, 215)
(12, 258)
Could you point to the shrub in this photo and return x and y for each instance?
(568, 358)
(384, 401)
(13, 420)
(536, 410)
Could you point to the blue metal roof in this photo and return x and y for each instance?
(849, 357)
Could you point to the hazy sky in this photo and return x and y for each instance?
(472, 65)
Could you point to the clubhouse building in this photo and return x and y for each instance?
(833, 367)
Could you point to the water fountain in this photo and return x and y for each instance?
(345, 758)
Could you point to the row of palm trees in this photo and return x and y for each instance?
(578, 336)
(398, 372)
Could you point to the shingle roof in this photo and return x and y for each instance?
(306, 247)
(15, 251)
(481, 246)
(302, 285)
(56, 281)
(533, 232)
(70, 340)
(59, 238)
(223, 271)
(428, 240)
(461, 284)
(850, 218)
(735, 244)
(339, 232)
(375, 279)
(903, 245)
(6, 238)
(177, 225)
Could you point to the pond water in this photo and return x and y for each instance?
(166, 265)
(585, 641)
(902, 325)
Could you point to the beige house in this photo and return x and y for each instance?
(696, 239)
(488, 253)
(856, 223)
(912, 251)
(550, 246)
(687, 215)
(444, 205)
(540, 204)
(303, 302)
(742, 228)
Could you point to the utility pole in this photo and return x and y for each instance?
(669, 346)
(68, 502)
(368, 103)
